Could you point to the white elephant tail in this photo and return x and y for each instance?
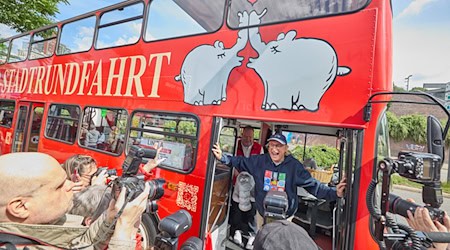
(342, 71)
(178, 78)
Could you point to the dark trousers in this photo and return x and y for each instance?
(240, 220)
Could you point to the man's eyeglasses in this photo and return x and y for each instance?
(277, 146)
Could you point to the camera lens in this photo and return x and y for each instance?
(400, 206)
(156, 189)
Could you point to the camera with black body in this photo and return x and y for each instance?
(171, 227)
(135, 183)
(423, 168)
(275, 206)
(109, 172)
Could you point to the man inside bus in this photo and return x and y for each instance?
(246, 147)
(35, 195)
(278, 170)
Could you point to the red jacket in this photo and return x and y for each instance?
(256, 149)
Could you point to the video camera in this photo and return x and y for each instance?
(135, 183)
(275, 206)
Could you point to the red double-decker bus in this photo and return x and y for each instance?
(186, 74)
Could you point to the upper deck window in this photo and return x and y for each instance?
(288, 10)
(77, 36)
(19, 49)
(120, 26)
(177, 18)
(4, 47)
(43, 43)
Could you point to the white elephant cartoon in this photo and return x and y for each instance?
(206, 69)
(295, 72)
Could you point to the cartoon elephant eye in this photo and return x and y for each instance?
(274, 49)
(221, 55)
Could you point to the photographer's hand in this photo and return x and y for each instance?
(128, 223)
(100, 179)
(217, 151)
(421, 221)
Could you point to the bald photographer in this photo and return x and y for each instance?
(35, 198)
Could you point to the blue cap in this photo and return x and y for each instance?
(279, 138)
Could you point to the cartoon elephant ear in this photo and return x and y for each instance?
(290, 36)
(218, 44)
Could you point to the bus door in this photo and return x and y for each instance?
(28, 127)
(349, 167)
(225, 131)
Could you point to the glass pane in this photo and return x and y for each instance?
(175, 18)
(177, 135)
(77, 36)
(104, 129)
(4, 46)
(125, 32)
(227, 140)
(19, 49)
(6, 113)
(41, 48)
(62, 123)
(36, 122)
(285, 10)
(20, 129)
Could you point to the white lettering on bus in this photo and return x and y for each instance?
(156, 76)
(86, 78)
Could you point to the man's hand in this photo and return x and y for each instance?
(153, 163)
(128, 222)
(77, 187)
(100, 179)
(421, 221)
(340, 188)
(217, 151)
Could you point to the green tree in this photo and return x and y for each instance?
(398, 89)
(26, 15)
(419, 89)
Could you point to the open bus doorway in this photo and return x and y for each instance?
(328, 153)
(28, 127)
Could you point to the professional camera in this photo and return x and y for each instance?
(400, 206)
(110, 172)
(275, 206)
(135, 183)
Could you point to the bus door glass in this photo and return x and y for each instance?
(28, 127)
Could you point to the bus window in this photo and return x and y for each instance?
(177, 18)
(288, 10)
(6, 113)
(227, 140)
(62, 122)
(77, 36)
(176, 134)
(4, 47)
(43, 43)
(104, 129)
(19, 49)
(120, 26)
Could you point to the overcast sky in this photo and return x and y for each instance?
(421, 37)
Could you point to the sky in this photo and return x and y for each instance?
(421, 37)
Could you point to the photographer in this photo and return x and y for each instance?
(35, 197)
(421, 221)
(82, 169)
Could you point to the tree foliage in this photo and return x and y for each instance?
(25, 15)
(324, 156)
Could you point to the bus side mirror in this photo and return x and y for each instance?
(435, 142)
